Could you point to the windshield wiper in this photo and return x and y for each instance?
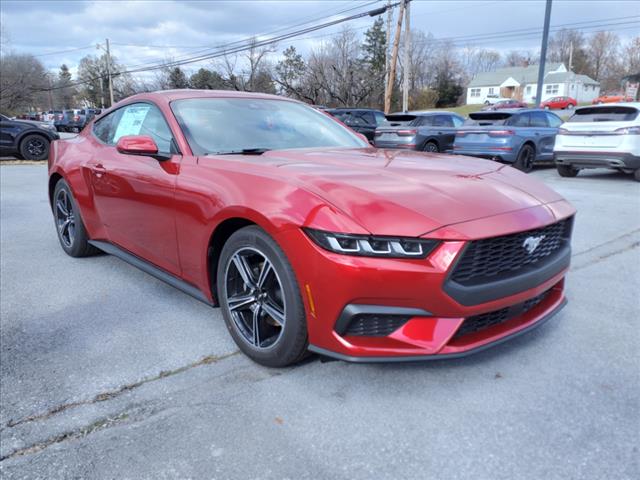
(244, 151)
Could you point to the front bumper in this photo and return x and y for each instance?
(337, 287)
(591, 159)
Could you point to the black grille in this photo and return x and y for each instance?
(489, 319)
(483, 260)
(369, 325)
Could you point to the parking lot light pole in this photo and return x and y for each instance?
(543, 52)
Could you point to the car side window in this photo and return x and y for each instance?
(369, 118)
(539, 119)
(104, 128)
(442, 121)
(554, 121)
(521, 120)
(425, 121)
(144, 119)
(381, 119)
(457, 121)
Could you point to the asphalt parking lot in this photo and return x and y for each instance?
(107, 372)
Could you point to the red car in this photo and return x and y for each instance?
(502, 104)
(307, 237)
(559, 103)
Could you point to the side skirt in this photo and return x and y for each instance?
(151, 269)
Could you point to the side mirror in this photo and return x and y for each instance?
(140, 145)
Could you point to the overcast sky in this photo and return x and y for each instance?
(148, 31)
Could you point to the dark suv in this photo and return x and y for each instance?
(362, 120)
(28, 139)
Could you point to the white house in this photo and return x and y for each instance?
(521, 83)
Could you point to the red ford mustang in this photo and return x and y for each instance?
(307, 237)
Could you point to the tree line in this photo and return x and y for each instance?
(346, 70)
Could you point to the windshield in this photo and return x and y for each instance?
(230, 125)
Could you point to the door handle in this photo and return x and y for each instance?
(98, 170)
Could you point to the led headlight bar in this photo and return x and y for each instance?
(371, 245)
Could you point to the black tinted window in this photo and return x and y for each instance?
(521, 120)
(539, 119)
(369, 118)
(554, 120)
(442, 121)
(604, 114)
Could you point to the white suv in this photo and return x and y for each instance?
(600, 136)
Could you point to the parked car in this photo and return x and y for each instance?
(611, 98)
(519, 137)
(75, 120)
(492, 98)
(559, 103)
(506, 103)
(306, 236)
(27, 139)
(600, 136)
(427, 131)
(362, 120)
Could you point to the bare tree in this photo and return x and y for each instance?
(602, 54)
(23, 83)
(631, 55)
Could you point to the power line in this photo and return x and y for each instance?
(65, 51)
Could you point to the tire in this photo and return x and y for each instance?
(487, 102)
(567, 171)
(72, 233)
(546, 107)
(431, 147)
(570, 106)
(275, 303)
(526, 158)
(34, 147)
(636, 175)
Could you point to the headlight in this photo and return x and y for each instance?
(372, 246)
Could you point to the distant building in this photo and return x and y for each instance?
(521, 83)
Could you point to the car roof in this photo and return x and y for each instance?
(357, 109)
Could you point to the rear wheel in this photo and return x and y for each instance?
(72, 234)
(260, 299)
(431, 147)
(34, 147)
(567, 170)
(525, 159)
(570, 106)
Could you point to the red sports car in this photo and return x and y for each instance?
(559, 103)
(304, 235)
(611, 98)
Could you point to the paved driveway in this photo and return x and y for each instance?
(109, 373)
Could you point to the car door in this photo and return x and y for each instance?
(444, 128)
(9, 131)
(134, 194)
(544, 135)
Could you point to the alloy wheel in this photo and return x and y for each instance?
(65, 218)
(431, 147)
(36, 148)
(255, 298)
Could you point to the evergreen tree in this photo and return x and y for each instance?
(205, 79)
(177, 78)
(66, 92)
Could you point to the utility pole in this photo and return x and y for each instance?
(387, 48)
(50, 97)
(543, 52)
(109, 74)
(394, 61)
(407, 57)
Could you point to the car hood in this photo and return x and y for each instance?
(391, 192)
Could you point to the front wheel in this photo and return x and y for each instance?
(260, 299)
(525, 159)
(567, 170)
(34, 147)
